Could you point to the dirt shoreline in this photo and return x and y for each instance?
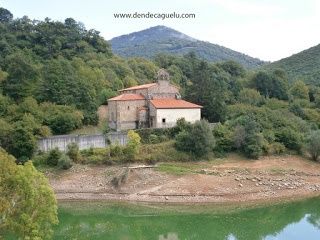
(270, 179)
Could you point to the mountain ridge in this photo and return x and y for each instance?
(304, 65)
(161, 39)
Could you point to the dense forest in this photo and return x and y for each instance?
(55, 75)
(301, 66)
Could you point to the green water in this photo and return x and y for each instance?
(299, 220)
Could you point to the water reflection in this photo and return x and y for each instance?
(169, 236)
(287, 221)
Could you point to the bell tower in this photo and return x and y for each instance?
(163, 78)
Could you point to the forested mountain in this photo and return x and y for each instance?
(54, 75)
(303, 66)
(160, 39)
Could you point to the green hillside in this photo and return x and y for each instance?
(304, 66)
(54, 75)
(160, 39)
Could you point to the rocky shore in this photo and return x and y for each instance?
(232, 180)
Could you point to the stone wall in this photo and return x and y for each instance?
(84, 141)
(124, 115)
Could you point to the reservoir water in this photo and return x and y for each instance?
(123, 221)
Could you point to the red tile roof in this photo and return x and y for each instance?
(173, 103)
(127, 97)
(139, 87)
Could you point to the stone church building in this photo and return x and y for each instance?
(154, 105)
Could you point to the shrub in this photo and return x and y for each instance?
(145, 133)
(163, 138)
(95, 156)
(199, 140)
(22, 143)
(116, 150)
(64, 162)
(275, 104)
(313, 145)
(253, 147)
(153, 138)
(250, 96)
(276, 148)
(73, 152)
(40, 159)
(133, 145)
(223, 137)
(247, 136)
(290, 138)
(64, 122)
(53, 157)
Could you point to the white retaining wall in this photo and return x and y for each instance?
(84, 141)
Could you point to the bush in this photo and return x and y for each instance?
(22, 143)
(73, 152)
(223, 137)
(247, 136)
(64, 162)
(133, 145)
(65, 122)
(276, 148)
(313, 145)
(290, 138)
(153, 138)
(145, 133)
(53, 157)
(253, 147)
(250, 96)
(199, 140)
(40, 159)
(116, 150)
(95, 156)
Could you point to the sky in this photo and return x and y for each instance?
(266, 29)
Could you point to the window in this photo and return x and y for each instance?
(163, 120)
(128, 107)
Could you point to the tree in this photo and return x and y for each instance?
(22, 142)
(290, 138)
(299, 90)
(247, 136)
(5, 132)
(28, 208)
(250, 96)
(313, 145)
(53, 157)
(73, 152)
(63, 123)
(198, 140)
(5, 15)
(233, 68)
(23, 75)
(209, 89)
(133, 145)
(272, 84)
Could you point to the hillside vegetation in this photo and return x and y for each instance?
(303, 66)
(54, 76)
(160, 39)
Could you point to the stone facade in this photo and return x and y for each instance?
(124, 115)
(134, 108)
